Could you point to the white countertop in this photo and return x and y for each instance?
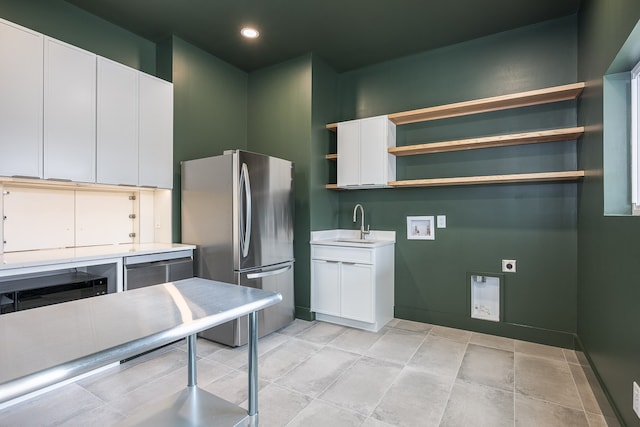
(41, 257)
(342, 237)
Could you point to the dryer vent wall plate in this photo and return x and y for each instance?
(508, 265)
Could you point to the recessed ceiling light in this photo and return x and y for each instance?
(250, 33)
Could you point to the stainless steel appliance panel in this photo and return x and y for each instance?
(238, 209)
(265, 210)
(144, 275)
(153, 269)
(278, 278)
(208, 217)
(180, 269)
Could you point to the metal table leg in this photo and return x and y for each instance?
(253, 369)
(192, 380)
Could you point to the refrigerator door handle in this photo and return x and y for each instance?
(268, 273)
(245, 184)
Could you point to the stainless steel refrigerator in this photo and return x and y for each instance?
(238, 209)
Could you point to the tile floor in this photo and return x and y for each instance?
(319, 374)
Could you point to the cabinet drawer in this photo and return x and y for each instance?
(343, 254)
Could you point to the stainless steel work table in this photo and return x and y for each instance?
(47, 345)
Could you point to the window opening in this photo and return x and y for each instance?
(635, 139)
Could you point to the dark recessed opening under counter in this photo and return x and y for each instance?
(26, 292)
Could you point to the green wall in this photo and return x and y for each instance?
(210, 109)
(279, 125)
(536, 224)
(289, 106)
(608, 268)
(63, 21)
(323, 203)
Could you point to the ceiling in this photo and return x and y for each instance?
(347, 34)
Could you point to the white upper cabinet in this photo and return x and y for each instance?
(363, 157)
(349, 153)
(21, 85)
(117, 124)
(69, 112)
(156, 133)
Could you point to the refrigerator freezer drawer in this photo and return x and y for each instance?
(278, 278)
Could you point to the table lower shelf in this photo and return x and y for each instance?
(190, 407)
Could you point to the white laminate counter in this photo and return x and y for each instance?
(46, 257)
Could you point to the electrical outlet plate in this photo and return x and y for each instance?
(508, 265)
(636, 398)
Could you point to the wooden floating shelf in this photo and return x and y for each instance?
(484, 105)
(485, 179)
(554, 135)
(491, 179)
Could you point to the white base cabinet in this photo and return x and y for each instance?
(353, 286)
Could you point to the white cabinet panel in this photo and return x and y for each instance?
(353, 286)
(363, 157)
(21, 86)
(64, 117)
(373, 151)
(156, 133)
(325, 295)
(356, 294)
(69, 112)
(38, 219)
(117, 124)
(102, 218)
(348, 153)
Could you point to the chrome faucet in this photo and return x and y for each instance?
(363, 232)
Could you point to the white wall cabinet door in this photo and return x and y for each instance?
(69, 112)
(363, 157)
(348, 167)
(356, 292)
(373, 151)
(156, 133)
(117, 124)
(325, 291)
(21, 86)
